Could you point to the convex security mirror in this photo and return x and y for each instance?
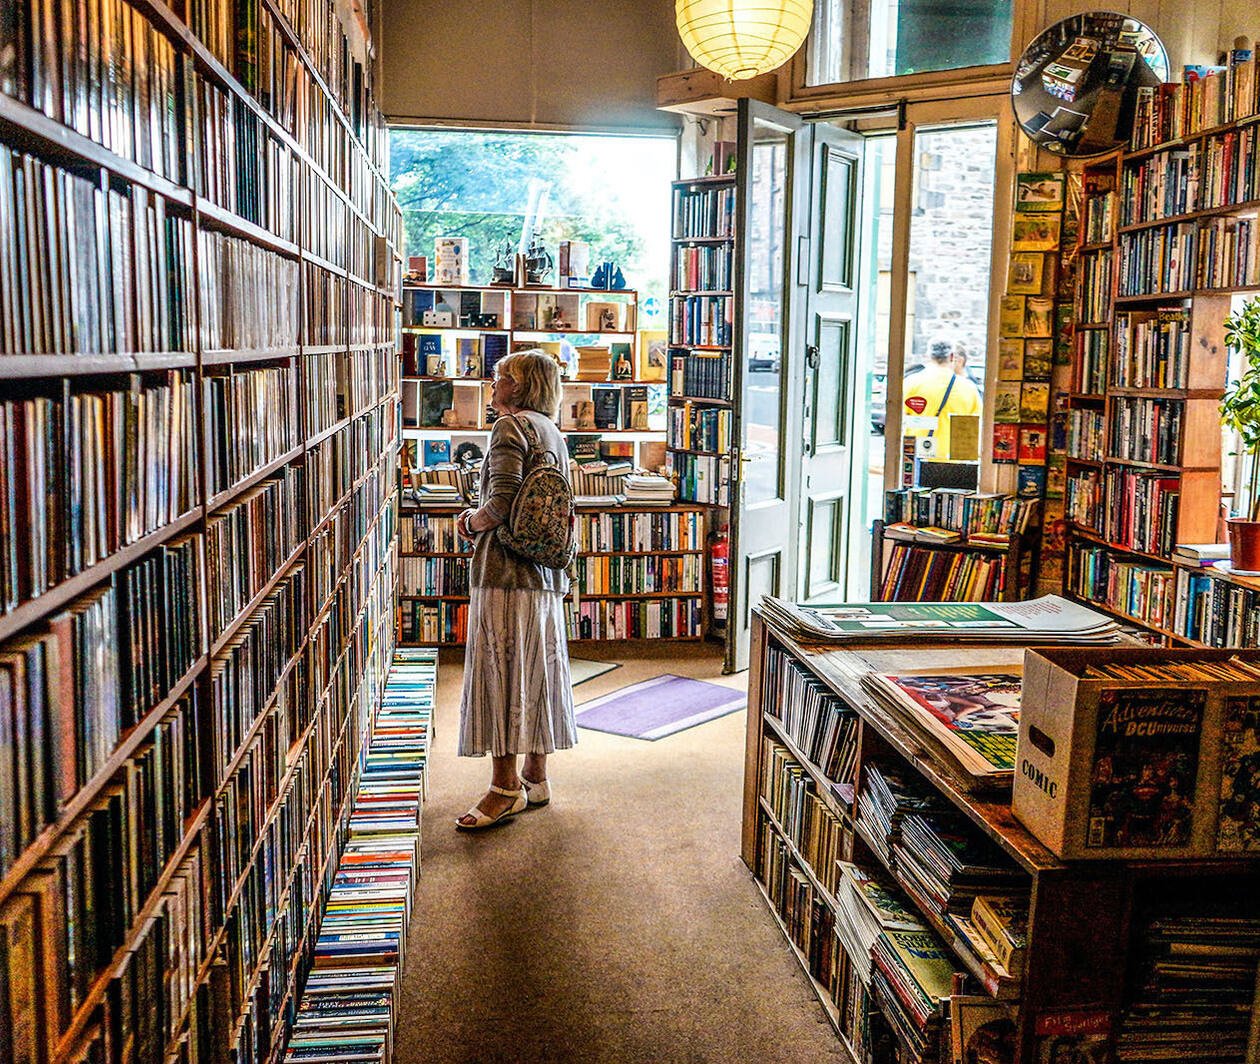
(1077, 85)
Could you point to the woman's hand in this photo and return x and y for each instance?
(462, 525)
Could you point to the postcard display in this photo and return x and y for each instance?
(1034, 348)
(934, 925)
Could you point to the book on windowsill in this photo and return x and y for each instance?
(1202, 554)
(921, 533)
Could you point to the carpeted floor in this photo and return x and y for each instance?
(616, 925)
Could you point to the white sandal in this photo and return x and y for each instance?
(537, 794)
(484, 821)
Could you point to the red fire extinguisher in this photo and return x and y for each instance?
(720, 563)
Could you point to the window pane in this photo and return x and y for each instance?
(855, 39)
(499, 189)
(763, 417)
(951, 236)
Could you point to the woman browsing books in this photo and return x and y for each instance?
(518, 697)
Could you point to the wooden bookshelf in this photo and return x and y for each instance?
(683, 560)
(1084, 917)
(306, 203)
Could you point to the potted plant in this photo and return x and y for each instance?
(1240, 411)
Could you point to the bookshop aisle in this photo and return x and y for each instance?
(616, 924)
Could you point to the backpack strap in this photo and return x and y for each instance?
(537, 452)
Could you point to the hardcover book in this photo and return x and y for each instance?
(436, 398)
(607, 407)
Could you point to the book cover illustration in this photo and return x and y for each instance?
(982, 1030)
(1034, 401)
(1006, 402)
(1146, 761)
(1006, 444)
(980, 712)
(1030, 480)
(1011, 359)
(1039, 317)
(1238, 828)
(436, 452)
(1026, 274)
(1038, 192)
(1011, 315)
(436, 397)
(1032, 443)
(1038, 358)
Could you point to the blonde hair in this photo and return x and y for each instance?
(537, 378)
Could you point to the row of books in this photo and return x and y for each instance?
(1215, 612)
(432, 623)
(245, 677)
(703, 212)
(1145, 430)
(1226, 168)
(350, 1005)
(803, 817)
(324, 306)
(106, 270)
(341, 384)
(1094, 285)
(1086, 434)
(704, 478)
(1220, 171)
(251, 420)
(808, 919)
(1139, 590)
(1205, 98)
(1090, 373)
(705, 268)
(918, 574)
(823, 727)
(1083, 499)
(60, 928)
(1140, 510)
(639, 532)
(1216, 253)
(652, 574)
(1152, 349)
(247, 542)
(1192, 994)
(605, 619)
(231, 274)
(697, 427)
(240, 166)
(700, 374)
(433, 577)
(1098, 223)
(81, 477)
(323, 225)
(976, 514)
(704, 321)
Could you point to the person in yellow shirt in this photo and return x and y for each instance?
(935, 392)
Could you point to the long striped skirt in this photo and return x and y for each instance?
(518, 697)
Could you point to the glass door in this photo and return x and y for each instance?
(767, 368)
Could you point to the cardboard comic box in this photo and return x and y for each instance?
(1132, 768)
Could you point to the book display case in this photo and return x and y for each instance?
(1168, 238)
(830, 777)
(640, 575)
(198, 513)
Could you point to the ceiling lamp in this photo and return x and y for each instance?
(740, 39)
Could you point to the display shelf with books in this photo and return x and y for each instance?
(197, 521)
(954, 545)
(641, 574)
(914, 900)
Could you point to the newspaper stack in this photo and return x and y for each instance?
(1040, 622)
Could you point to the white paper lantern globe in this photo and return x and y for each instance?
(740, 39)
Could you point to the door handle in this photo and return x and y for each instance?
(813, 356)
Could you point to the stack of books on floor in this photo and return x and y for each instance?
(350, 1004)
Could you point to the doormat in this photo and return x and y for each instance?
(583, 669)
(659, 707)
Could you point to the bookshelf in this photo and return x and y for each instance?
(816, 743)
(1163, 250)
(199, 416)
(640, 575)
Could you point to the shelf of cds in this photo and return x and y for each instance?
(924, 914)
(1169, 238)
(199, 417)
(641, 574)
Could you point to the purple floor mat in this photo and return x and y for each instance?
(656, 708)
